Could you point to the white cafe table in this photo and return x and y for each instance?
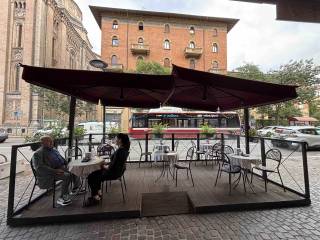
(83, 169)
(169, 158)
(245, 162)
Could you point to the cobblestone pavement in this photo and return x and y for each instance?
(291, 223)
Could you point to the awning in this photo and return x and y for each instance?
(183, 88)
(209, 91)
(113, 89)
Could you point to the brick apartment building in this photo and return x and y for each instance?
(197, 42)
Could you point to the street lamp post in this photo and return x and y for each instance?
(97, 63)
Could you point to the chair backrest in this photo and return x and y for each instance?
(193, 144)
(176, 145)
(275, 155)
(139, 143)
(228, 149)
(190, 153)
(105, 150)
(72, 153)
(33, 171)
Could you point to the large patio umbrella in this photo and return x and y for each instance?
(111, 88)
(208, 91)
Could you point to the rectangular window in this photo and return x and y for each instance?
(19, 37)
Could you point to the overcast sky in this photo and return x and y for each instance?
(257, 38)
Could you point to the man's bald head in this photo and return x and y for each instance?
(47, 141)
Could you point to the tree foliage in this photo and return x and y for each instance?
(151, 68)
(303, 73)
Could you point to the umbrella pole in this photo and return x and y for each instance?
(246, 129)
(72, 113)
(104, 124)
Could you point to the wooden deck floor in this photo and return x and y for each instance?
(203, 197)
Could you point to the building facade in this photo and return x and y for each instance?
(196, 42)
(45, 33)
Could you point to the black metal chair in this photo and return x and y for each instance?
(142, 154)
(73, 153)
(119, 178)
(105, 151)
(199, 153)
(176, 145)
(271, 155)
(36, 184)
(185, 165)
(225, 165)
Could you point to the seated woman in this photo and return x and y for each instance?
(109, 171)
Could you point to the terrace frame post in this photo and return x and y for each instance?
(263, 157)
(12, 182)
(146, 147)
(72, 114)
(198, 146)
(90, 142)
(222, 146)
(238, 141)
(246, 129)
(104, 124)
(305, 170)
(172, 141)
(76, 148)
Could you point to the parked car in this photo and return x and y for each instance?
(3, 135)
(267, 131)
(308, 134)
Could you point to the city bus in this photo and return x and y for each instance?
(185, 122)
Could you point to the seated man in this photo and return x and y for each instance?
(49, 166)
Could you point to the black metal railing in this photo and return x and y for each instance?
(294, 181)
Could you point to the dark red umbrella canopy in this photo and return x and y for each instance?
(113, 89)
(183, 88)
(208, 91)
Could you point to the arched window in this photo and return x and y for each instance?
(166, 28)
(166, 63)
(192, 64)
(20, 5)
(192, 44)
(140, 40)
(192, 30)
(215, 48)
(139, 59)
(115, 24)
(24, 5)
(72, 59)
(166, 44)
(114, 60)
(140, 26)
(19, 35)
(115, 41)
(215, 32)
(15, 4)
(215, 65)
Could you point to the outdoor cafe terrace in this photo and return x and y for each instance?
(176, 173)
(150, 189)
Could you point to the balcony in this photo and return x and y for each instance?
(193, 52)
(115, 68)
(140, 49)
(217, 70)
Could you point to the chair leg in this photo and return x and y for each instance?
(123, 198)
(251, 175)
(140, 159)
(124, 182)
(176, 177)
(265, 180)
(54, 194)
(229, 183)
(34, 186)
(217, 176)
(191, 177)
(106, 186)
(281, 181)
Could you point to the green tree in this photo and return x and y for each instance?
(151, 68)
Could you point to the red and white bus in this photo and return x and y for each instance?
(184, 122)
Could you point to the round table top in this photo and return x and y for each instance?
(247, 158)
(79, 163)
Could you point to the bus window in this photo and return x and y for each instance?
(138, 122)
(213, 122)
(223, 122)
(185, 123)
(192, 123)
(170, 121)
(153, 122)
(233, 121)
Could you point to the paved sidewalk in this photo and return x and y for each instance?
(291, 223)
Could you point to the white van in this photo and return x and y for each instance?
(97, 128)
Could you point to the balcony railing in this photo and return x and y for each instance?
(193, 52)
(140, 49)
(217, 70)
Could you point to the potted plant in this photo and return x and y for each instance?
(79, 133)
(113, 132)
(158, 129)
(207, 131)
